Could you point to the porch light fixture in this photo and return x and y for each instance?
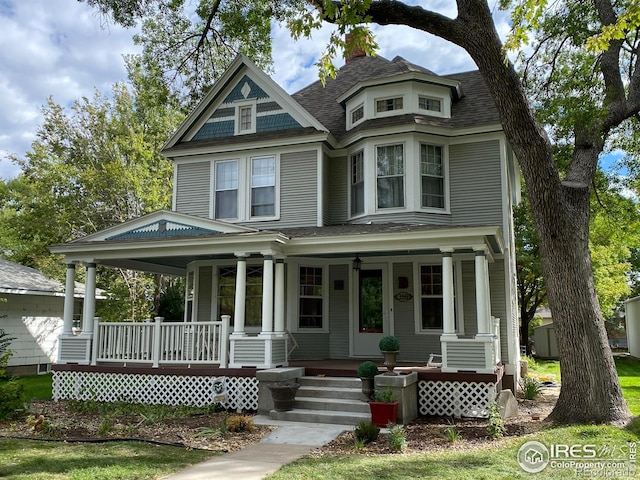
(357, 263)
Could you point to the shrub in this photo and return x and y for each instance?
(240, 423)
(385, 396)
(389, 344)
(452, 433)
(367, 370)
(11, 398)
(366, 432)
(496, 428)
(531, 388)
(5, 353)
(396, 438)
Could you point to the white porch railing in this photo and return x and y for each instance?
(161, 342)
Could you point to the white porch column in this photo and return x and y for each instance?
(267, 295)
(67, 322)
(278, 309)
(89, 309)
(482, 282)
(448, 323)
(241, 294)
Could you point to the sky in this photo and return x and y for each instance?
(65, 50)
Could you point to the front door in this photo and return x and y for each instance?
(370, 313)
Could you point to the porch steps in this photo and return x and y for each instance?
(335, 400)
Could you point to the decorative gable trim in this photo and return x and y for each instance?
(164, 224)
(215, 115)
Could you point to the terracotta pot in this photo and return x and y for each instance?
(383, 413)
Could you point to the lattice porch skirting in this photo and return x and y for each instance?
(457, 399)
(241, 392)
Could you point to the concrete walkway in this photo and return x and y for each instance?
(259, 460)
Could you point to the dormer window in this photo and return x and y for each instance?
(430, 104)
(357, 114)
(246, 119)
(388, 104)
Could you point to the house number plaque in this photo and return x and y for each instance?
(403, 296)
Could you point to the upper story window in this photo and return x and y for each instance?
(431, 104)
(431, 176)
(357, 114)
(390, 176)
(311, 298)
(226, 186)
(357, 183)
(388, 104)
(246, 119)
(263, 186)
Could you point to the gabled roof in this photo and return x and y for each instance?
(164, 224)
(474, 108)
(243, 79)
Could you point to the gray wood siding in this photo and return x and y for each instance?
(338, 198)
(311, 346)
(499, 301)
(298, 191)
(193, 187)
(205, 285)
(406, 217)
(413, 347)
(326, 192)
(475, 182)
(339, 312)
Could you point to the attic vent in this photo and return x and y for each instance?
(246, 90)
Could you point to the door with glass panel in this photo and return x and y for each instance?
(371, 311)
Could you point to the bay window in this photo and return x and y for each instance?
(432, 176)
(390, 176)
(357, 183)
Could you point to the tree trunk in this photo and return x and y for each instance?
(590, 389)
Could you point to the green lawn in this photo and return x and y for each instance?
(34, 460)
(629, 376)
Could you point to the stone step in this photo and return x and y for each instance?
(316, 416)
(331, 404)
(340, 382)
(330, 392)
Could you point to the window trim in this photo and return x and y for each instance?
(215, 188)
(430, 97)
(403, 207)
(322, 298)
(444, 176)
(250, 187)
(350, 121)
(458, 301)
(392, 111)
(238, 118)
(292, 267)
(351, 184)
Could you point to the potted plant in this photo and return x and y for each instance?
(283, 394)
(367, 371)
(389, 346)
(384, 408)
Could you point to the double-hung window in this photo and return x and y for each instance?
(431, 297)
(432, 176)
(263, 187)
(357, 183)
(311, 299)
(390, 176)
(226, 197)
(246, 119)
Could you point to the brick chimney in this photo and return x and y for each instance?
(356, 52)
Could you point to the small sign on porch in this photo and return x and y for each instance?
(219, 389)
